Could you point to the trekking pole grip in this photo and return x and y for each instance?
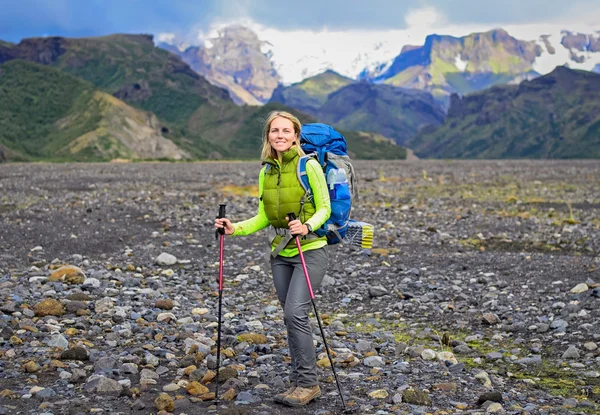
(292, 216)
(222, 208)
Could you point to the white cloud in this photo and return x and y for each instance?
(425, 17)
(166, 37)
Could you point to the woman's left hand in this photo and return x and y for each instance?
(297, 228)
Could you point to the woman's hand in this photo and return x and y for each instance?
(224, 223)
(297, 228)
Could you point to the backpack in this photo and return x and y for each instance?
(328, 147)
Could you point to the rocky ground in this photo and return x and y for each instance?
(481, 294)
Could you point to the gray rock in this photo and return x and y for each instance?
(103, 386)
(166, 259)
(571, 353)
(377, 291)
(374, 361)
(559, 325)
(493, 396)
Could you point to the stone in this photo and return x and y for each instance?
(447, 357)
(484, 379)
(227, 373)
(580, 288)
(102, 385)
(229, 395)
(416, 397)
(253, 338)
(494, 408)
(69, 274)
(379, 394)
(490, 319)
(374, 361)
(571, 353)
(377, 291)
(164, 304)
(75, 353)
(195, 388)
(49, 307)
(493, 396)
(164, 402)
(31, 367)
(166, 259)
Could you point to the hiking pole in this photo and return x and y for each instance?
(292, 216)
(220, 233)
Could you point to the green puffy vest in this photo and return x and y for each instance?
(282, 193)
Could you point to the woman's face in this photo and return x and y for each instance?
(281, 134)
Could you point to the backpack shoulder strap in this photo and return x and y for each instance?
(303, 176)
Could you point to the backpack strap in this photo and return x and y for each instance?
(303, 178)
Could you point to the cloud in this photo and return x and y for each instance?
(425, 17)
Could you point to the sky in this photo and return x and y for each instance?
(306, 37)
(185, 18)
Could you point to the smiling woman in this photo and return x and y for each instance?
(280, 195)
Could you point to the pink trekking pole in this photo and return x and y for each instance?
(220, 233)
(292, 216)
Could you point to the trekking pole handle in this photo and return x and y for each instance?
(222, 208)
(292, 216)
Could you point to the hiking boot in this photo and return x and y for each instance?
(280, 397)
(301, 396)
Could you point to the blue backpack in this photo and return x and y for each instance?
(328, 147)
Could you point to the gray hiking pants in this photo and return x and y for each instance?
(294, 297)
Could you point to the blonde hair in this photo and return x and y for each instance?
(267, 150)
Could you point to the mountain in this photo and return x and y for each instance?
(129, 67)
(310, 94)
(48, 114)
(122, 71)
(394, 112)
(553, 116)
(442, 65)
(446, 64)
(234, 60)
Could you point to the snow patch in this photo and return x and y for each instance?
(562, 56)
(460, 64)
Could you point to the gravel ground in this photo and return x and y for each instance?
(481, 293)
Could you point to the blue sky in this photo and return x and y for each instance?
(80, 18)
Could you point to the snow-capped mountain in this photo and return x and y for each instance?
(371, 55)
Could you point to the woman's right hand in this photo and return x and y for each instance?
(224, 223)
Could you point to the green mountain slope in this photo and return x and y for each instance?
(554, 116)
(199, 118)
(310, 94)
(129, 67)
(396, 113)
(48, 114)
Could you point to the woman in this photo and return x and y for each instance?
(281, 193)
